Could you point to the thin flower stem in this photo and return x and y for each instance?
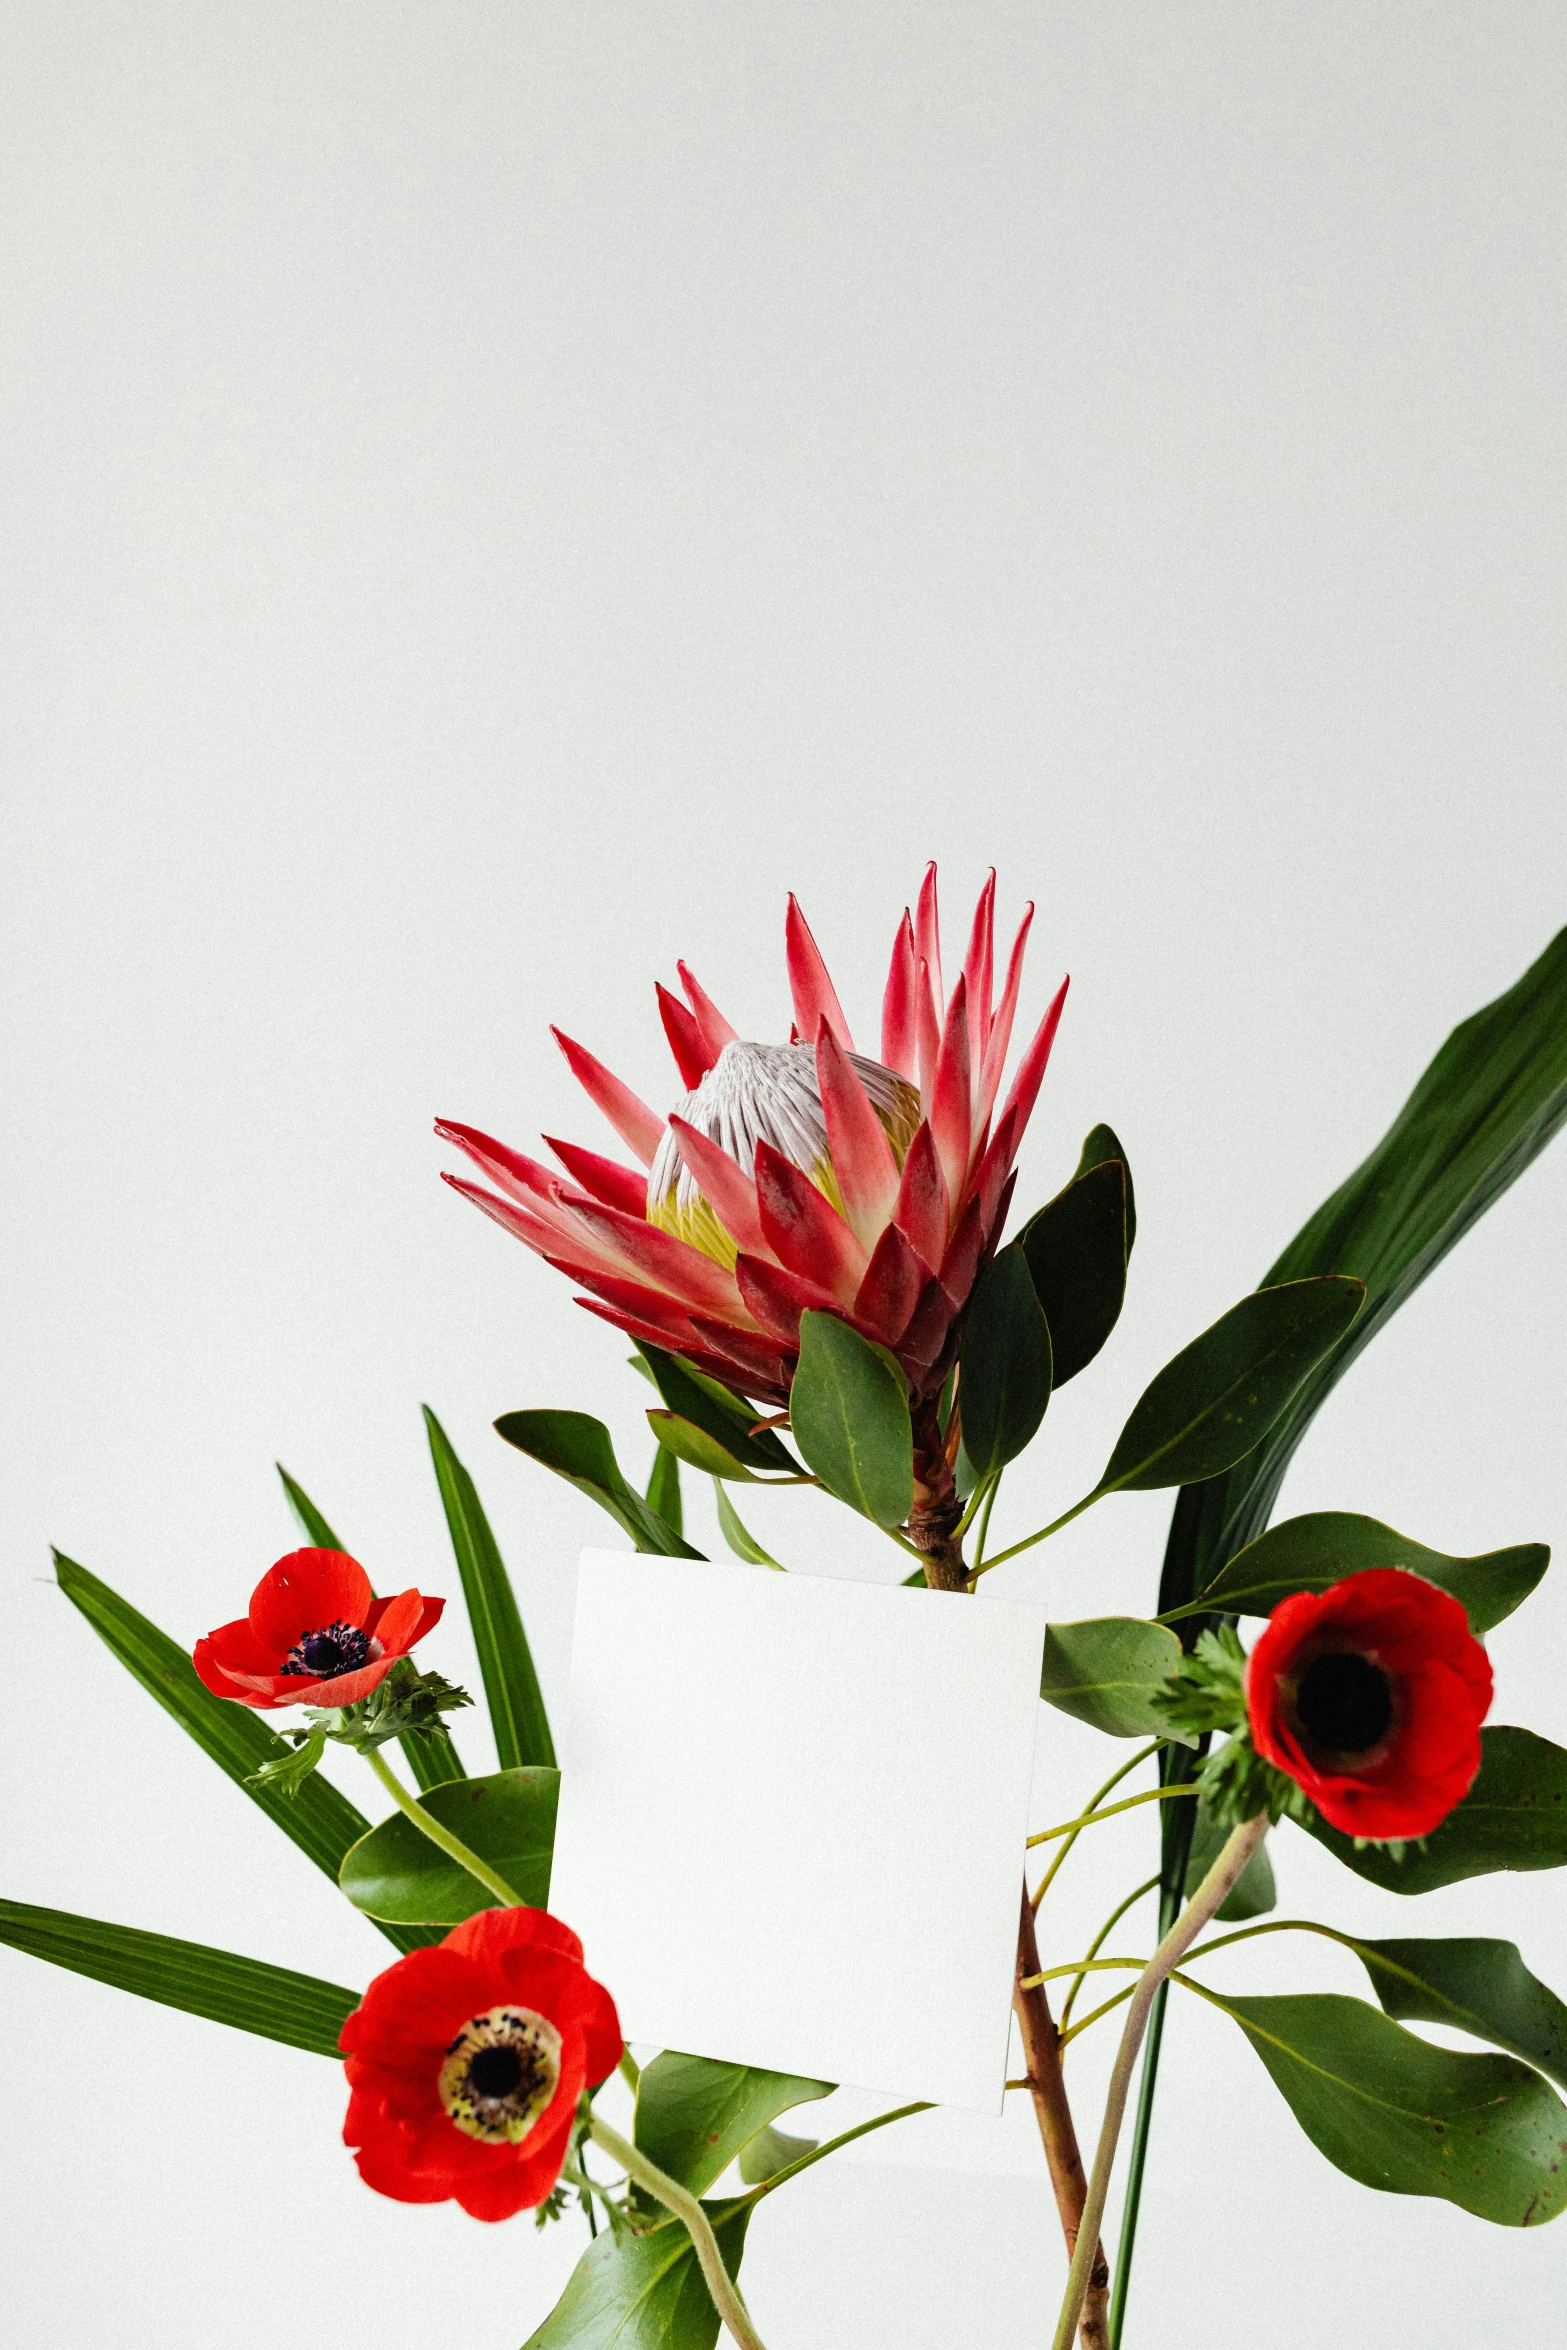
(1214, 1890)
(976, 1502)
(630, 2071)
(1081, 1966)
(1043, 1535)
(429, 1825)
(983, 1535)
(1117, 1999)
(792, 2170)
(1098, 1943)
(686, 2208)
(1092, 1819)
(1090, 1808)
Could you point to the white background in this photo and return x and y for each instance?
(493, 496)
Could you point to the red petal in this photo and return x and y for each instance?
(731, 1366)
(714, 1029)
(490, 1935)
(804, 1231)
(862, 1160)
(923, 1211)
(603, 1179)
(534, 1186)
(639, 1129)
(663, 1314)
(685, 1040)
(929, 1324)
(899, 1015)
(752, 1362)
(1031, 1069)
(211, 1674)
(815, 999)
(724, 1184)
(927, 1033)
(342, 1689)
(673, 1265)
(777, 1298)
(994, 1168)
(891, 1288)
(303, 1592)
(961, 1262)
(397, 1623)
(927, 932)
(951, 1109)
(1001, 1027)
(979, 970)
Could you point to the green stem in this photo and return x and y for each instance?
(1098, 1943)
(792, 2170)
(1105, 2005)
(686, 2208)
(429, 1825)
(1092, 1819)
(983, 1535)
(1214, 1890)
(1089, 1809)
(630, 2071)
(1045, 1532)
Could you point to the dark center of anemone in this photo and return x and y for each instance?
(495, 2072)
(324, 1654)
(500, 2073)
(1344, 1702)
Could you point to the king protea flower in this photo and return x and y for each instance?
(797, 1176)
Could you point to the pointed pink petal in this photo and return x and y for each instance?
(951, 1109)
(727, 1189)
(1031, 1069)
(606, 1179)
(899, 1015)
(692, 1057)
(928, 1326)
(649, 1306)
(1001, 1027)
(683, 1272)
(522, 1178)
(777, 1298)
(639, 1129)
(548, 1239)
(763, 1367)
(862, 1160)
(979, 971)
(923, 1211)
(994, 1168)
(927, 932)
(714, 1028)
(730, 1369)
(815, 998)
(804, 1230)
(927, 1034)
(890, 1291)
(961, 1262)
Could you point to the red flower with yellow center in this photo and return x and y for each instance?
(1371, 1696)
(316, 1635)
(466, 2062)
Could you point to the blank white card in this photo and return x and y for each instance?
(792, 1814)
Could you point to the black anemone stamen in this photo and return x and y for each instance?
(1344, 1703)
(323, 1655)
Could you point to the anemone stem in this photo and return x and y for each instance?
(687, 2209)
(428, 1825)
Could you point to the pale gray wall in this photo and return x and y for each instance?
(495, 495)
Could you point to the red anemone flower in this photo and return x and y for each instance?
(799, 1175)
(1371, 1695)
(316, 1635)
(466, 2062)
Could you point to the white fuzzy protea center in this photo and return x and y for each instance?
(765, 1093)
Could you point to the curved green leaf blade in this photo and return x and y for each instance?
(511, 1686)
(1077, 1247)
(1006, 1364)
(694, 2116)
(849, 1410)
(299, 2010)
(1513, 1817)
(577, 1447)
(1107, 1672)
(312, 1524)
(727, 1418)
(663, 1490)
(742, 1542)
(684, 1441)
(1210, 1405)
(771, 2151)
(644, 2292)
(1099, 1144)
(1312, 1552)
(318, 1819)
(508, 1819)
(1483, 2132)
(1476, 1985)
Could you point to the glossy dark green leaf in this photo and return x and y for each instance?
(643, 2292)
(1256, 1893)
(728, 1418)
(1076, 1247)
(507, 1819)
(318, 1819)
(742, 1542)
(684, 1441)
(430, 1755)
(1005, 1382)
(577, 1447)
(511, 1686)
(663, 1490)
(1221, 1393)
(1312, 1552)
(1476, 1985)
(1483, 2132)
(771, 2151)
(299, 2010)
(1513, 1817)
(849, 1410)
(693, 2116)
(1107, 1671)
(1099, 1145)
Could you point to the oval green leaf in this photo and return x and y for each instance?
(644, 2292)
(577, 1447)
(684, 1441)
(1222, 1393)
(1513, 1817)
(849, 1410)
(694, 2115)
(1107, 1671)
(1099, 1144)
(1005, 1383)
(1076, 1247)
(508, 1819)
(1312, 1552)
(728, 1418)
(663, 1490)
(741, 1541)
(1477, 1986)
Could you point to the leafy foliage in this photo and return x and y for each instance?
(728, 1418)
(577, 1447)
(1076, 1248)
(1477, 1986)
(508, 1819)
(1513, 1817)
(1109, 1672)
(694, 2115)
(644, 2292)
(849, 1409)
(1006, 1364)
(511, 1686)
(1312, 1552)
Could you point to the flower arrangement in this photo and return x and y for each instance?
(812, 1261)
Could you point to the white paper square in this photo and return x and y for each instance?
(792, 1815)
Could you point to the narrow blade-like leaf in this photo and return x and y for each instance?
(740, 1540)
(663, 1489)
(511, 1686)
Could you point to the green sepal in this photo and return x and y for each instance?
(407, 1704)
(289, 1774)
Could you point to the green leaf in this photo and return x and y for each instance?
(1483, 2132)
(849, 1410)
(299, 2010)
(727, 1418)
(511, 1686)
(663, 1490)
(644, 2292)
(431, 1757)
(508, 1819)
(1005, 1382)
(1098, 1146)
(1221, 1393)
(1076, 1247)
(577, 1447)
(1312, 1552)
(1256, 1893)
(693, 2116)
(743, 1544)
(683, 1440)
(318, 1819)
(1107, 1672)
(1513, 1817)
(771, 2151)
(1478, 1986)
